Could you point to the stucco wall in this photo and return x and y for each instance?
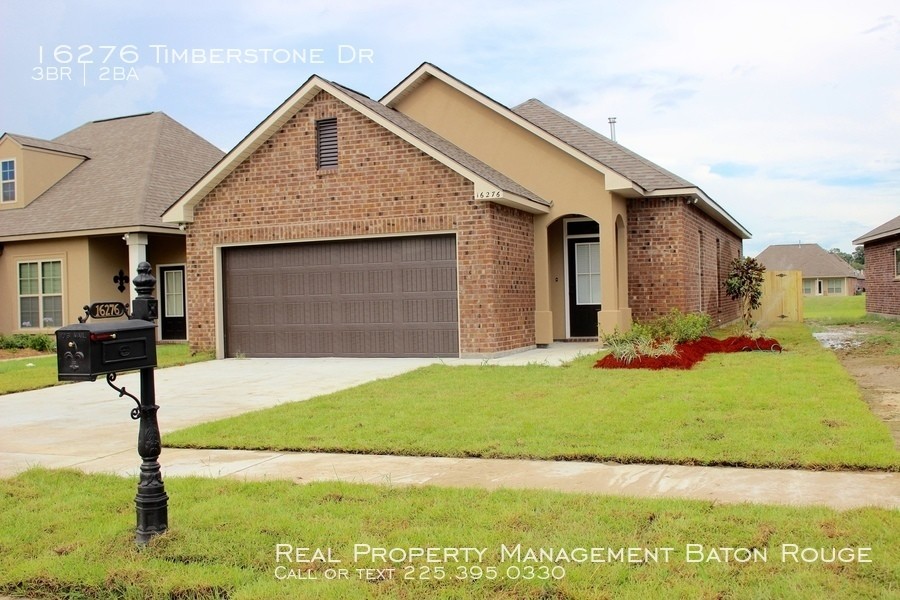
(72, 252)
(382, 186)
(36, 171)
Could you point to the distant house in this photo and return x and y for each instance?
(882, 248)
(78, 213)
(824, 274)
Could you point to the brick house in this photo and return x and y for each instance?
(882, 249)
(437, 221)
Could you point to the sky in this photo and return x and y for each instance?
(786, 113)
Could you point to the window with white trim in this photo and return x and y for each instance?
(587, 273)
(40, 294)
(896, 262)
(835, 286)
(8, 180)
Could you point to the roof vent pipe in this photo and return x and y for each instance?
(612, 128)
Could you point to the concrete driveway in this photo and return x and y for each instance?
(85, 422)
(73, 424)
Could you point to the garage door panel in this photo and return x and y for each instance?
(443, 279)
(443, 310)
(368, 311)
(380, 297)
(263, 313)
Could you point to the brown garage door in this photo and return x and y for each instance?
(376, 297)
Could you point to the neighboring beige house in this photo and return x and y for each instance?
(824, 274)
(78, 213)
(437, 221)
(882, 248)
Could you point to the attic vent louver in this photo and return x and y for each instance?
(326, 143)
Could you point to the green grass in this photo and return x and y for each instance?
(69, 535)
(835, 310)
(37, 372)
(794, 409)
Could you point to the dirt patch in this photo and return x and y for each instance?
(20, 353)
(874, 362)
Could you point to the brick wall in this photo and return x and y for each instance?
(382, 185)
(678, 257)
(882, 286)
(710, 248)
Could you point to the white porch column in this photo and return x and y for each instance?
(137, 253)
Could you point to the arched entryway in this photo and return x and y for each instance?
(581, 268)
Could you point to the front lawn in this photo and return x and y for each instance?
(761, 409)
(21, 374)
(834, 310)
(69, 535)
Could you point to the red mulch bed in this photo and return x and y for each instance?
(690, 353)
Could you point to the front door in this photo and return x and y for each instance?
(172, 321)
(584, 285)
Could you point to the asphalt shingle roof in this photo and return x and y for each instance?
(620, 159)
(136, 167)
(811, 259)
(888, 229)
(444, 146)
(33, 142)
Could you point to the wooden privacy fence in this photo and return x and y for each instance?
(782, 298)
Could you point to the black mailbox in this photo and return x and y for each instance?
(86, 350)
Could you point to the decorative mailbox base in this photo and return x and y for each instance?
(151, 501)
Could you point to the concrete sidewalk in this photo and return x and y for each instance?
(839, 490)
(87, 426)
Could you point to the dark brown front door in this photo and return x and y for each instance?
(172, 310)
(373, 297)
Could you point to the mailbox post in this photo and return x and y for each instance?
(87, 350)
(151, 501)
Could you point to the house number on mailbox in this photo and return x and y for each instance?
(107, 310)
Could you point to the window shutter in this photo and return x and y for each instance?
(326, 143)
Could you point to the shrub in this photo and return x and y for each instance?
(658, 337)
(744, 283)
(680, 327)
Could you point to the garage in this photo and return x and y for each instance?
(376, 297)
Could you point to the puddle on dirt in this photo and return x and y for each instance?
(838, 340)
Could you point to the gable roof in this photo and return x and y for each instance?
(625, 172)
(33, 142)
(889, 229)
(502, 189)
(811, 259)
(136, 167)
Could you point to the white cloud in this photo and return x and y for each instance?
(121, 98)
(786, 113)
